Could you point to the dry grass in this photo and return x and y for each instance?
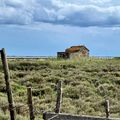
(86, 84)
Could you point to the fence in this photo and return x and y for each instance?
(12, 108)
(55, 57)
(31, 57)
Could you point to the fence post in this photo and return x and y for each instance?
(59, 97)
(8, 86)
(30, 104)
(107, 108)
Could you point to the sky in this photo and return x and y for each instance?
(44, 27)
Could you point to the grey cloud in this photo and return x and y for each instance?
(57, 12)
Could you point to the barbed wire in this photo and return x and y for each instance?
(36, 111)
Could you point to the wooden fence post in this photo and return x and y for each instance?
(59, 97)
(8, 86)
(107, 108)
(30, 104)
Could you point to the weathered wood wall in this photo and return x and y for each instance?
(53, 116)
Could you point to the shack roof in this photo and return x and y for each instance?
(73, 49)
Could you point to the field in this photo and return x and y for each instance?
(86, 84)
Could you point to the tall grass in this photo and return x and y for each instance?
(87, 82)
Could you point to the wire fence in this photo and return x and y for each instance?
(36, 111)
(55, 57)
(58, 106)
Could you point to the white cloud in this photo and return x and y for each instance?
(58, 12)
(100, 1)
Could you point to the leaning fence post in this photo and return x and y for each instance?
(59, 97)
(107, 108)
(8, 86)
(30, 104)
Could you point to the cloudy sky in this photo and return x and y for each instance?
(43, 27)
